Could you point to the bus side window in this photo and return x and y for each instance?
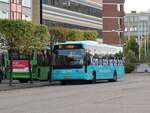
(111, 62)
(95, 61)
(40, 59)
(105, 62)
(121, 62)
(43, 58)
(115, 62)
(100, 61)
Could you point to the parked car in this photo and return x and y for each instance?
(143, 68)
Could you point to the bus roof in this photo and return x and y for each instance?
(95, 47)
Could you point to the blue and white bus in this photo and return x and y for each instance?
(87, 60)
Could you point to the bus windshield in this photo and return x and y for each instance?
(69, 57)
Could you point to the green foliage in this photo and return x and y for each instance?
(90, 35)
(145, 59)
(119, 55)
(60, 33)
(12, 33)
(40, 39)
(22, 35)
(130, 60)
(132, 45)
(131, 54)
(65, 34)
(129, 67)
(75, 35)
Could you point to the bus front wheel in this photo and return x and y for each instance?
(94, 78)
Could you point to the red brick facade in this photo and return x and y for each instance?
(15, 9)
(113, 21)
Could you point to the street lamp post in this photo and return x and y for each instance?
(145, 43)
(139, 40)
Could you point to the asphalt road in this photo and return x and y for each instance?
(131, 95)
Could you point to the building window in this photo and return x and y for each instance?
(4, 1)
(26, 3)
(118, 7)
(74, 6)
(4, 14)
(26, 17)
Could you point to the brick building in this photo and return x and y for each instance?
(16, 9)
(113, 21)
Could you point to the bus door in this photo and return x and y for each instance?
(43, 61)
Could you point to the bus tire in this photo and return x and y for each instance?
(114, 77)
(0, 81)
(94, 77)
(23, 80)
(63, 82)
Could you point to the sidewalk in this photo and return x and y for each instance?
(4, 86)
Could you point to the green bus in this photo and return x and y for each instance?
(37, 61)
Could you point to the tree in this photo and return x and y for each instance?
(90, 34)
(22, 36)
(79, 35)
(75, 35)
(131, 56)
(60, 33)
(132, 45)
(131, 51)
(40, 39)
(130, 61)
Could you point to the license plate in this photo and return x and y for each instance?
(67, 77)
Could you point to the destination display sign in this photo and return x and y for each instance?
(69, 46)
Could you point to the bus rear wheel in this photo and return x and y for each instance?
(114, 77)
(23, 80)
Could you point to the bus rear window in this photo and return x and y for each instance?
(20, 56)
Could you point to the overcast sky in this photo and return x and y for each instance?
(138, 5)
